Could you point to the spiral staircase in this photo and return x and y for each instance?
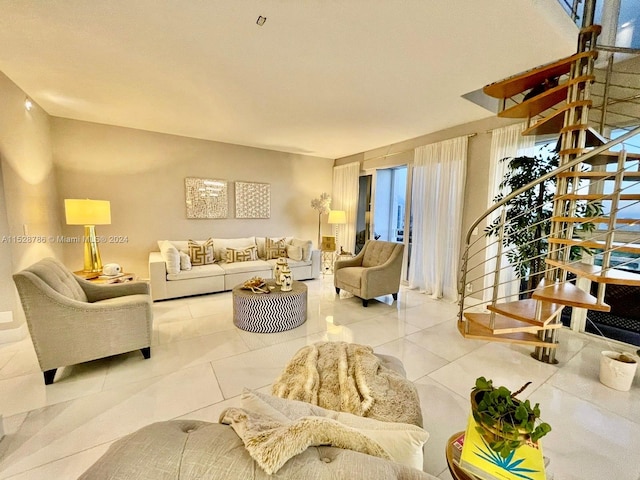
(592, 95)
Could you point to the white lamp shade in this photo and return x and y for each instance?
(337, 216)
(87, 212)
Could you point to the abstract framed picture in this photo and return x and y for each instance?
(253, 200)
(206, 198)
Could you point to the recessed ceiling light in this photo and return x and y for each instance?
(28, 104)
(261, 20)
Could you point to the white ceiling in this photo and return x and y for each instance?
(327, 78)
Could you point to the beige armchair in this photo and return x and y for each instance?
(72, 320)
(375, 271)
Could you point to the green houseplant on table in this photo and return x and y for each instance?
(504, 421)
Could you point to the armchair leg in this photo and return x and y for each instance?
(146, 352)
(395, 296)
(49, 375)
(365, 303)
(337, 291)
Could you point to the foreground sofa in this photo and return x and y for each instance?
(169, 280)
(193, 449)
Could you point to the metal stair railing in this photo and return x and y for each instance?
(475, 273)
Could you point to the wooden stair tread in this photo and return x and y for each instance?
(594, 273)
(503, 325)
(524, 81)
(553, 122)
(612, 157)
(627, 221)
(525, 310)
(597, 244)
(568, 294)
(597, 196)
(629, 176)
(544, 101)
(478, 332)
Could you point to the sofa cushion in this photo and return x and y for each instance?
(294, 252)
(242, 254)
(201, 253)
(306, 245)
(171, 256)
(275, 247)
(291, 262)
(243, 267)
(193, 449)
(220, 245)
(198, 271)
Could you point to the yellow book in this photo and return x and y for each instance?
(524, 463)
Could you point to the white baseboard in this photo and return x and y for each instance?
(14, 334)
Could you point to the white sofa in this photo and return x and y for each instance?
(167, 282)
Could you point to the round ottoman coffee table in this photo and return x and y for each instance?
(270, 312)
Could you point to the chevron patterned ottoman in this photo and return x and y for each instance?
(270, 312)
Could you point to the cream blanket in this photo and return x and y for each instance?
(272, 442)
(348, 377)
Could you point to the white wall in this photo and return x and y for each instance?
(28, 194)
(142, 175)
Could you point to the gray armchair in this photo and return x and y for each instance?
(72, 320)
(375, 271)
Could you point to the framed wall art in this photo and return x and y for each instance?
(253, 200)
(206, 198)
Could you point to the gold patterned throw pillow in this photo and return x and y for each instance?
(242, 254)
(201, 253)
(275, 248)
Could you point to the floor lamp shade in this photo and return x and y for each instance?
(89, 213)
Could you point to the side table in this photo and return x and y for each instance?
(327, 260)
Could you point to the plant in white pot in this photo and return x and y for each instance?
(505, 422)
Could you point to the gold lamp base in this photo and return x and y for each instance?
(92, 260)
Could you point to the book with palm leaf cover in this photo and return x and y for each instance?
(524, 463)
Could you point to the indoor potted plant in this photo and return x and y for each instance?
(505, 422)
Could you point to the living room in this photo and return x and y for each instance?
(200, 364)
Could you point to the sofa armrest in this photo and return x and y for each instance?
(349, 262)
(315, 263)
(157, 276)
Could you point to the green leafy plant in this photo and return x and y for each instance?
(505, 422)
(528, 215)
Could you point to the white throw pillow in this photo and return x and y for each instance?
(402, 441)
(294, 252)
(306, 245)
(171, 256)
(185, 261)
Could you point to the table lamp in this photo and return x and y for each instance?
(89, 213)
(337, 217)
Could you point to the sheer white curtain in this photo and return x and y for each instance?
(437, 199)
(345, 197)
(505, 142)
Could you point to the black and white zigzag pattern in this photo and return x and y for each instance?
(270, 313)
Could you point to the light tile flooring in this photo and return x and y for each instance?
(200, 363)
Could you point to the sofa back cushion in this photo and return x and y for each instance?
(306, 246)
(377, 252)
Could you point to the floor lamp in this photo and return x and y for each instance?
(337, 217)
(89, 213)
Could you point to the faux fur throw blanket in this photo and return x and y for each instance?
(272, 442)
(348, 377)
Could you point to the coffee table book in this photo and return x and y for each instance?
(524, 463)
